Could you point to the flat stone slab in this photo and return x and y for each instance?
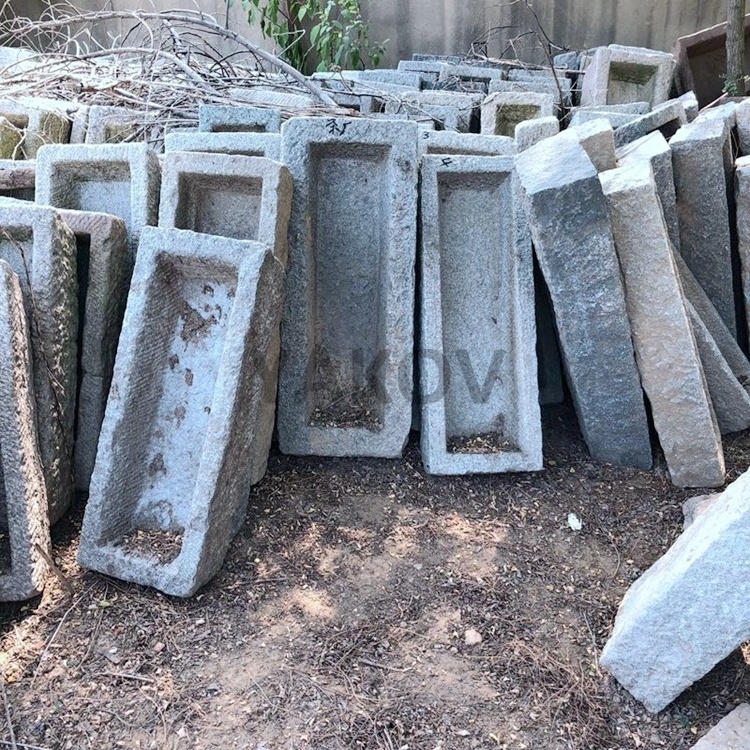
(501, 112)
(18, 179)
(118, 179)
(654, 149)
(690, 609)
(455, 110)
(576, 253)
(222, 118)
(198, 326)
(561, 91)
(239, 144)
(345, 385)
(40, 249)
(702, 165)
(529, 132)
(619, 74)
(731, 733)
(242, 197)
(466, 75)
(24, 520)
(477, 352)
(103, 280)
(667, 118)
(597, 139)
(665, 348)
(447, 142)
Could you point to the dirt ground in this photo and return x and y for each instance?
(340, 619)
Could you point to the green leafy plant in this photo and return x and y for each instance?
(316, 34)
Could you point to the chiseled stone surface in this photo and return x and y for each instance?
(41, 121)
(447, 142)
(690, 610)
(477, 319)
(10, 139)
(40, 249)
(223, 118)
(665, 349)
(18, 179)
(501, 112)
(345, 383)
(742, 198)
(529, 132)
(23, 498)
(456, 110)
(731, 733)
(570, 229)
(179, 438)
(102, 250)
(121, 179)
(597, 139)
(702, 166)
(239, 144)
(667, 118)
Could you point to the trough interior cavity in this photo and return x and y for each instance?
(477, 303)
(223, 205)
(507, 116)
(169, 400)
(93, 186)
(83, 260)
(631, 82)
(349, 199)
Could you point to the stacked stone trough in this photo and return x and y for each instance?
(472, 240)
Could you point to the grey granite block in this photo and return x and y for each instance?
(243, 197)
(239, 144)
(529, 132)
(731, 733)
(41, 121)
(501, 112)
(455, 110)
(742, 200)
(560, 91)
(478, 367)
(597, 139)
(121, 125)
(690, 609)
(282, 99)
(216, 118)
(172, 474)
(470, 144)
(24, 521)
(18, 179)
(119, 179)
(616, 119)
(103, 263)
(570, 228)
(654, 149)
(621, 74)
(469, 75)
(702, 164)
(345, 386)
(40, 248)
(665, 348)
(667, 118)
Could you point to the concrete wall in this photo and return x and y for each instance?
(450, 26)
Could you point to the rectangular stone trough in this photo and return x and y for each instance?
(103, 275)
(215, 118)
(172, 474)
(40, 249)
(239, 144)
(42, 121)
(477, 352)
(24, 521)
(120, 179)
(345, 384)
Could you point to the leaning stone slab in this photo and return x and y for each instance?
(183, 410)
(529, 132)
(503, 111)
(40, 249)
(742, 199)
(702, 165)
(577, 256)
(729, 396)
(561, 92)
(24, 521)
(120, 125)
(215, 118)
(667, 118)
(40, 121)
(119, 179)
(580, 115)
(478, 367)
(620, 74)
(411, 79)
(243, 197)
(239, 144)
(468, 76)
(654, 149)
(281, 99)
(731, 733)
(18, 179)
(345, 385)
(454, 109)
(597, 139)
(690, 103)
(690, 609)
(742, 118)
(447, 142)
(103, 274)
(665, 348)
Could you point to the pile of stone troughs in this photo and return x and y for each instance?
(160, 314)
